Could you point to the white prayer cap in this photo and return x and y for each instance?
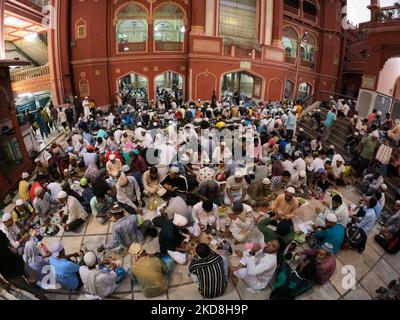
(384, 187)
(302, 174)
(25, 175)
(139, 124)
(375, 134)
(266, 181)
(179, 221)
(331, 146)
(331, 217)
(6, 217)
(62, 195)
(238, 174)
(291, 190)
(125, 168)
(223, 143)
(301, 129)
(37, 160)
(174, 170)
(90, 259)
(19, 202)
(112, 157)
(56, 248)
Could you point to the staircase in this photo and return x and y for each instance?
(338, 139)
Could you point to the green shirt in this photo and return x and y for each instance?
(270, 234)
(369, 147)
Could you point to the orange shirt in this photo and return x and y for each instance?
(284, 209)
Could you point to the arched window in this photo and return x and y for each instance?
(80, 29)
(308, 48)
(289, 42)
(238, 23)
(169, 28)
(289, 90)
(131, 28)
(305, 91)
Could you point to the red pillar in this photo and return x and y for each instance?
(198, 17)
(150, 34)
(278, 24)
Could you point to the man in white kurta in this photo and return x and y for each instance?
(258, 266)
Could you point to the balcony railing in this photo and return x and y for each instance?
(40, 3)
(389, 13)
(30, 73)
(307, 64)
(243, 53)
(132, 47)
(310, 17)
(168, 46)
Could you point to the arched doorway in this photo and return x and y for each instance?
(171, 82)
(305, 91)
(133, 85)
(388, 78)
(241, 83)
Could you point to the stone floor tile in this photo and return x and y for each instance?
(323, 292)
(393, 260)
(140, 296)
(185, 292)
(94, 227)
(385, 271)
(180, 275)
(125, 286)
(337, 278)
(304, 296)
(92, 242)
(374, 245)
(120, 296)
(370, 256)
(353, 258)
(371, 282)
(247, 295)
(230, 293)
(72, 244)
(79, 232)
(358, 294)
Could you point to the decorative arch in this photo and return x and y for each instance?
(196, 84)
(84, 87)
(120, 7)
(263, 80)
(128, 73)
(290, 30)
(181, 8)
(173, 71)
(80, 29)
(274, 92)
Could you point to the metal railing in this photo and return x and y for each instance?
(389, 13)
(30, 73)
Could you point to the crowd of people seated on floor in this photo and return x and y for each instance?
(186, 178)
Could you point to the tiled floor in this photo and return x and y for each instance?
(373, 268)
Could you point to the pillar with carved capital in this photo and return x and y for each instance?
(150, 34)
(198, 17)
(2, 40)
(278, 24)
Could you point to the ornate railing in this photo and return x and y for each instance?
(30, 73)
(40, 3)
(389, 13)
(132, 47)
(168, 46)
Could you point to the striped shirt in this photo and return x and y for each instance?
(211, 275)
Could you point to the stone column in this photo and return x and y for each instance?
(198, 17)
(278, 24)
(2, 40)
